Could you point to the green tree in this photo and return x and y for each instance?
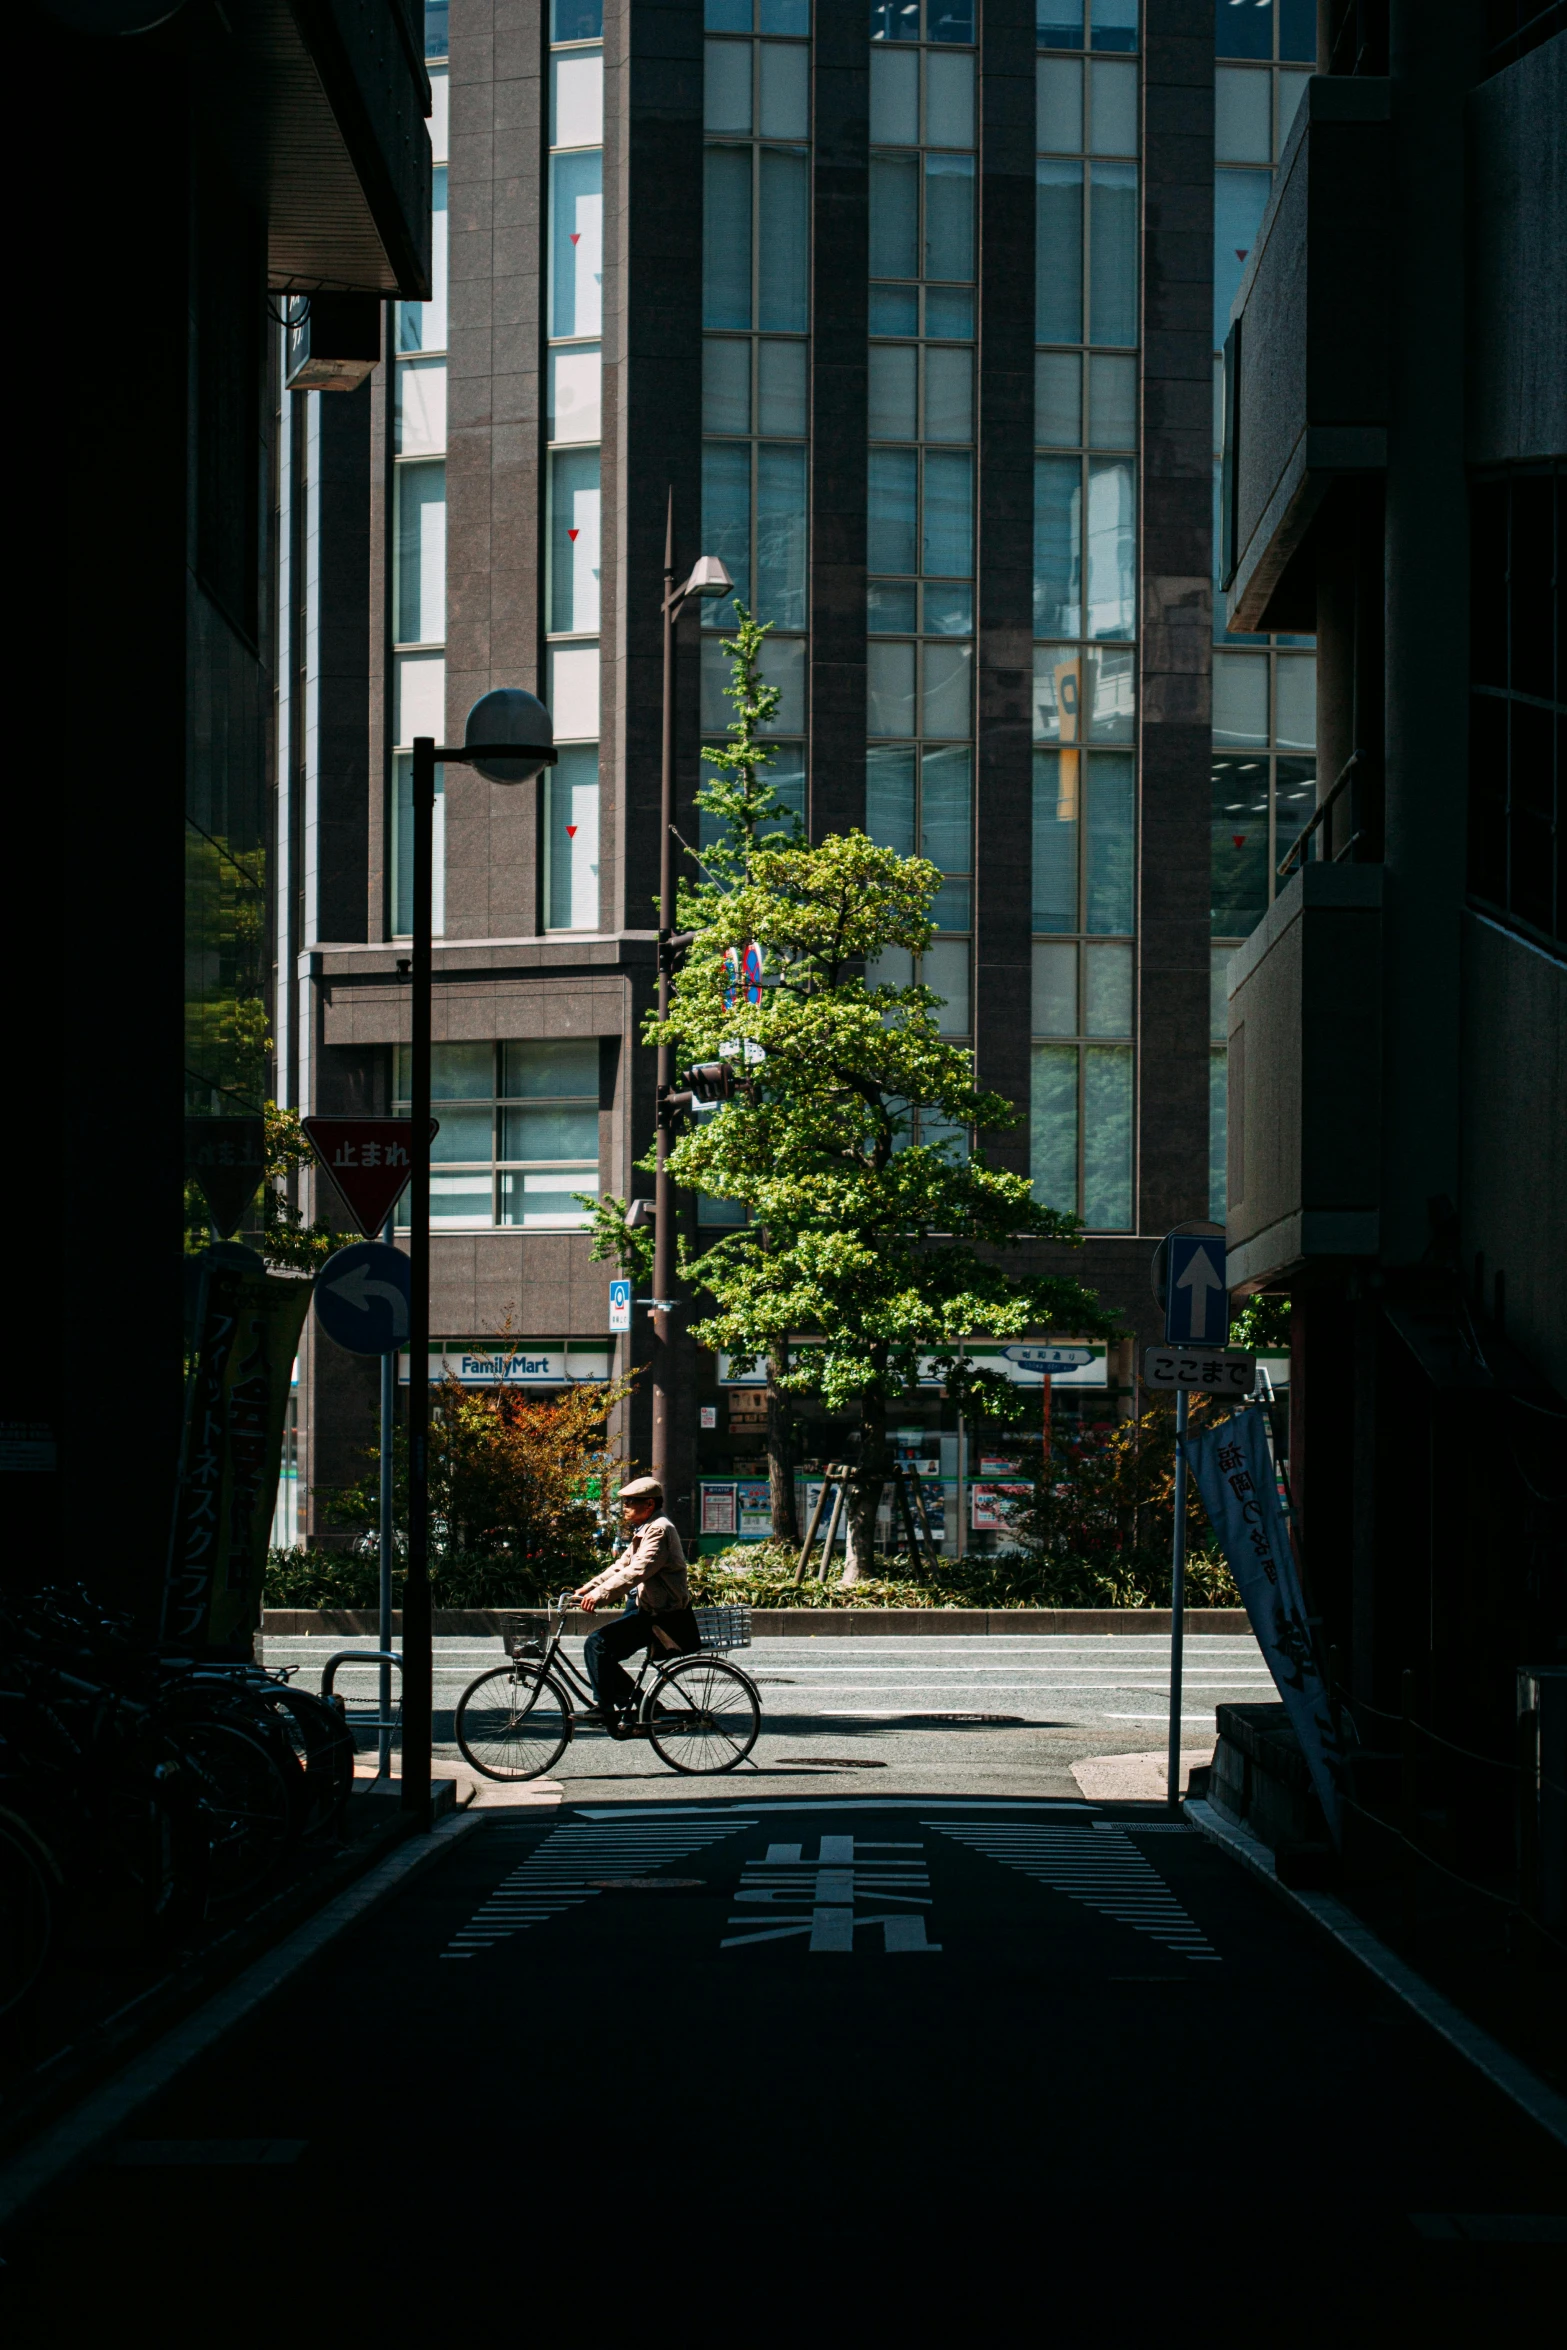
(870, 1221)
(746, 811)
(523, 1480)
(1263, 1323)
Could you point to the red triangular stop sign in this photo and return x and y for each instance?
(228, 1158)
(367, 1159)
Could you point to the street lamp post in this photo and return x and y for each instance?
(508, 738)
(708, 578)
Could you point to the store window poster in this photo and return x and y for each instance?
(718, 1509)
(755, 1508)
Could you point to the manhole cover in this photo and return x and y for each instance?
(648, 1884)
(835, 1762)
(890, 1721)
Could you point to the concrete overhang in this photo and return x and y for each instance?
(320, 107)
(1306, 361)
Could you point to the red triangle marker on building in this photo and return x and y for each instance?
(576, 236)
(1239, 839)
(571, 534)
(571, 832)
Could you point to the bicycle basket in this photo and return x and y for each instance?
(724, 1627)
(528, 1635)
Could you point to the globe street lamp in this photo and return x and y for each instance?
(708, 578)
(508, 739)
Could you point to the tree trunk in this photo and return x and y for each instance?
(865, 1490)
(780, 1451)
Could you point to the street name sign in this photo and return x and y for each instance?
(368, 1160)
(620, 1305)
(1196, 1295)
(1218, 1370)
(362, 1297)
(1046, 1361)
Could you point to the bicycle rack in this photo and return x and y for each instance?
(381, 1721)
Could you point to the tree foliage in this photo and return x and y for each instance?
(1102, 1515)
(871, 1222)
(518, 1478)
(274, 1225)
(1262, 1322)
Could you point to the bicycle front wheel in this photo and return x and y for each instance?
(703, 1715)
(512, 1723)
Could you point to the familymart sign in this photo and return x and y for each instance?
(477, 1365)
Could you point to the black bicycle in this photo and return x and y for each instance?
(697, 1711)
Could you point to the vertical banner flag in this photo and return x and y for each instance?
(243, 1348)
(1234, 1473)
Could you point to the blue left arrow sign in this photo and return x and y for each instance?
(362, 1297)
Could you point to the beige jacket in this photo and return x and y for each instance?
(652, 1558)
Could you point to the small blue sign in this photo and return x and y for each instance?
(620, 1305)
(1196, 1290)
(362, 1298)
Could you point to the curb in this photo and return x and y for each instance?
(478, 1623)
(108, 2108)
(1333, 1917)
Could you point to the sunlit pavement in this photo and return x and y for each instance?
(866, 1712)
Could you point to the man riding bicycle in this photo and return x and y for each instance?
(652, 1567)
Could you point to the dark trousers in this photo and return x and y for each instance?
(631, 1632)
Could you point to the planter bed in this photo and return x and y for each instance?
(475, 1623)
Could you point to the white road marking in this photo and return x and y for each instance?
(556, 1874)
(820, 1896)
(1105, 1872)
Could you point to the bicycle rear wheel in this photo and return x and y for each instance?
(512, 1723)
(702, 1716)
(243, 1802)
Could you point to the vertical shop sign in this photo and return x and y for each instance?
(236, 1401)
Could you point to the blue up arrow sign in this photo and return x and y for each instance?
(1196, 1298)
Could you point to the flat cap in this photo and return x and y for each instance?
(642, 1489)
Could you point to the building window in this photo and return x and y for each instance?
(755, 356)
(1264, 778)
(518, 1133)
(919, 800)
(421, 326)
(573, 408)
(1084, 860)
(571, 839)
(920, 521)
(417, 521)
(1518, 701)
(1086, 140)
(1084, 24)
(1085, 396)
(919, 785)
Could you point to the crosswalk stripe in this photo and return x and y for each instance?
(556, 1875)
(1103, 1870)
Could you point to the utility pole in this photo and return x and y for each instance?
(663, 1189)
(708, 578)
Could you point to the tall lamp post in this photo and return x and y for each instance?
(508, 739)
(708, 578)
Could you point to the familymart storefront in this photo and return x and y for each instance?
(480, 1362)
(969, 1474)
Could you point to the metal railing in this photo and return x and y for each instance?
(1345, 780)
(383, 1721)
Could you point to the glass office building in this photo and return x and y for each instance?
(902, 306)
